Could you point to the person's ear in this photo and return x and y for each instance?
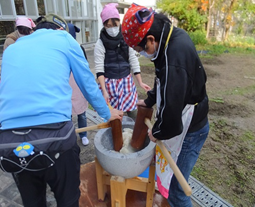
(150, 38)
(61, 28)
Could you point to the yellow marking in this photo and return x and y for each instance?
(19, 148)
(26, 147)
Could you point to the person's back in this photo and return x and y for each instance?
(35, 109)
(39, 78)
(34, 67)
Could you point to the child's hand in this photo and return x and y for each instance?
(152, 138)
(145, 87)
(141, 103)
(106, 97)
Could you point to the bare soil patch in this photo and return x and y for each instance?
(227, 161)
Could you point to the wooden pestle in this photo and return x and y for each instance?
(117, 137)
(140, 129)
(140, 132)
(179, 176)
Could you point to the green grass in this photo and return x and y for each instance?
(248, 137)
(235, 44)
(219, 48)
(240, 40)
(217, 100)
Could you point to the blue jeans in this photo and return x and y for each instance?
(191, 147)
(82, 122)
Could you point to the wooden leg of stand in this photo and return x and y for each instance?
(101, 186)
(118, 191)
(151, 186)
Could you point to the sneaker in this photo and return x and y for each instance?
(85, 141)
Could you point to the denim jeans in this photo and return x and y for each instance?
(82, 122)
(191, 147)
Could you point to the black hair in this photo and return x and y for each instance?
(44, 25)
(114, 20)
(156, 28)
(24, 30)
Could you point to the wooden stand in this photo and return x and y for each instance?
(120, 185)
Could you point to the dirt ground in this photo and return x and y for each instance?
(227, 161)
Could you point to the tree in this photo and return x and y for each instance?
(235, 13)
(195, 15)
(209, 17)
(228, 11)
(244, 16)
(191, 15)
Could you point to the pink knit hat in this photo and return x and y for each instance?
(24, 21)
(110, 11)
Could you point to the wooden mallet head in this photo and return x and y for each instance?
(140, 129)
(117, 136)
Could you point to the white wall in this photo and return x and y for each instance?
(147, 3)
(99, 10)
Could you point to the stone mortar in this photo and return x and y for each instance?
(124, 165)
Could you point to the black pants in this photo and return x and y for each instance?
(63, 179)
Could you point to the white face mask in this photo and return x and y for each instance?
(149, 56)
(113, 31)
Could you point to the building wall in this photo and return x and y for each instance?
(85, 14)
(82, 13)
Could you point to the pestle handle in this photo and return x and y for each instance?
(99, 126)
(185, 186)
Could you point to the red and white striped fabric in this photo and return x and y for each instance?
(122, 93)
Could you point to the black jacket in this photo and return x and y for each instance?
(182, 81)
